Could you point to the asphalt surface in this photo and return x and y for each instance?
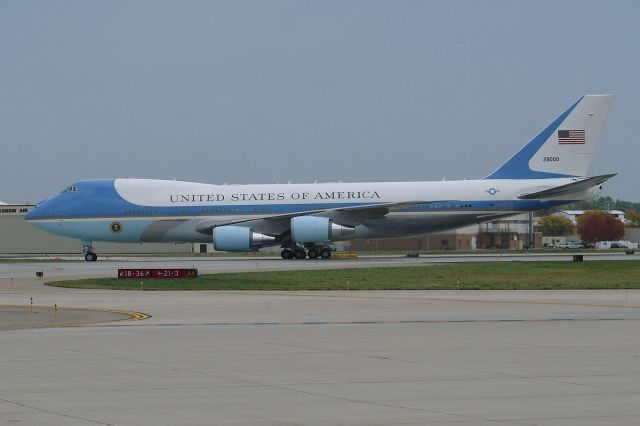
(319, 358)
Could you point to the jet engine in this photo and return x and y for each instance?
(313, 229)
(239, 238)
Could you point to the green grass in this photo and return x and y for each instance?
(467, 276)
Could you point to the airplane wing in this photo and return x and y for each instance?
(570, 188)
(350, 215)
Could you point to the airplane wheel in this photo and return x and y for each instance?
(286, 254)
(90, 257)
(299, 254)
(325, 253)
(312, 254)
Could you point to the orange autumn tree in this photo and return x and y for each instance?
(598, 225)
(633, 218)
(555, 226)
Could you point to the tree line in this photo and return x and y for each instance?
(598, 203)
(595, 224)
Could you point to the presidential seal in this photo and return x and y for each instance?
(115, 227)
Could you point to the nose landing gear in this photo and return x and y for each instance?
(90, 257)
(87, 250)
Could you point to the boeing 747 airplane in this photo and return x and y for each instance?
(304, 219)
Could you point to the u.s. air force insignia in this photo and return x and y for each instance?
(492, 191)
(115, 227)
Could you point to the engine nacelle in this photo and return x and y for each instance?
(239, 238)
(313, 229)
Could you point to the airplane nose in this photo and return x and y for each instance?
(37, 210)
(31, 213)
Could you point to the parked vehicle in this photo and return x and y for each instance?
(572, 245)
(616, 245)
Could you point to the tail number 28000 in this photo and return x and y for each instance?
(550, 158)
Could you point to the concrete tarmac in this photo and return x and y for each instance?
(324, 358)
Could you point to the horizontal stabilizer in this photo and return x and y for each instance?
(570, 188)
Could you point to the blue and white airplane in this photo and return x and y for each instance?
(305, 218)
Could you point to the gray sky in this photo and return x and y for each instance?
(272, 91)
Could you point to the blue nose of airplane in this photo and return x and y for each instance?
(33, 213)
(38, 211)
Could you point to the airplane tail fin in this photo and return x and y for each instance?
(565, 148)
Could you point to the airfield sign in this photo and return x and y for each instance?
(156, 273)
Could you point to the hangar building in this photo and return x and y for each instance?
(509, 233)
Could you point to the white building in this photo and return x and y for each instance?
(573, 215)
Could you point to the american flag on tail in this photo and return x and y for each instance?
(570, 137)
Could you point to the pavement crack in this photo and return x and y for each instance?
(57, 413)
(159, 365)
(382, 404)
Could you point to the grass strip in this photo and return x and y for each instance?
(463, 276)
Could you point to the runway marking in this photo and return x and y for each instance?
(133, 315)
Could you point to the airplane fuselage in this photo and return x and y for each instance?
(141, 210)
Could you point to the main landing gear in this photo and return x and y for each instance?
(87, 250)
(313, 252)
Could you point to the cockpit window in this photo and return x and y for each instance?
(71, 189)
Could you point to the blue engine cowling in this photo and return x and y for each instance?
(239, 238)
(314, 229)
